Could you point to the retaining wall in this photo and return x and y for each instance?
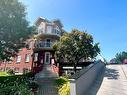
(81, 82)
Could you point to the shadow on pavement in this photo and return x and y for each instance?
(111, 73)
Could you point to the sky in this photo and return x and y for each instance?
(105, 20)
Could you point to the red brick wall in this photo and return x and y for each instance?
(22, 64)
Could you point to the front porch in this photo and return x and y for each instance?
(43, 60)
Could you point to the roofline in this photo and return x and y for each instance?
(42, 18)
(58, 21)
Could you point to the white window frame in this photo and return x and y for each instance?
(36, 57)
(27, 58)
(18, 60)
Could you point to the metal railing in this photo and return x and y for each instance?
(54, 32)
(43, 44)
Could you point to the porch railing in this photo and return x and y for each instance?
(43, 44)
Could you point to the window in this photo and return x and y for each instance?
(58, 32)
(16, 69)
(1, 69)
(47, 58)
(9, 62)
(41, 28)
(27, 58)
(30, 45)
(25, 70)
(18, 59)
(49, 29)
(48, 43)
(36, 57)
(53, 31)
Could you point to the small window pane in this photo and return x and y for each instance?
(27, 59)
(18, 59)
(36, 57)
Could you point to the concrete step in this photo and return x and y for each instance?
(47, 86)
(48, 91)
(46, 73)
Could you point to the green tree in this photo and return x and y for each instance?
(75, 46)
(120, 57)
(14, 28)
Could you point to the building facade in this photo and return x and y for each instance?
(21, 63)
(48, 33)
(39, 51)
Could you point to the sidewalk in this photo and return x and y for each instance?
(114, 81)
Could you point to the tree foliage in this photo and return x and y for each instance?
(14, 28)
(120, 57)
(75, 46)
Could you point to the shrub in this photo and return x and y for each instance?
(29, 74)
(33, 85)
(11, 72)
(65, 89)
(14, 85)
(60, 81)
(64, 86)
(7, 79)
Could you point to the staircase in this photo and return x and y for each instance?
(47, 72)
(46, 79)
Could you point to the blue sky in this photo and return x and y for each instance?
(106, 20)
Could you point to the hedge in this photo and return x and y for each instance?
(64, 86)
(14, 85)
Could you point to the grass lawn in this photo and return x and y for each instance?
(4, 74)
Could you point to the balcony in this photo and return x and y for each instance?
(43, 45)
(54, 33)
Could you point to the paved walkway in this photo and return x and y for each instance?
(112, 82)
(47, 87)
(45, 79)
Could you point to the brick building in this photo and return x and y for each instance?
(39, 52)
(20, 63)
(48, 32)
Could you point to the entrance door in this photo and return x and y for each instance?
(47, 57)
